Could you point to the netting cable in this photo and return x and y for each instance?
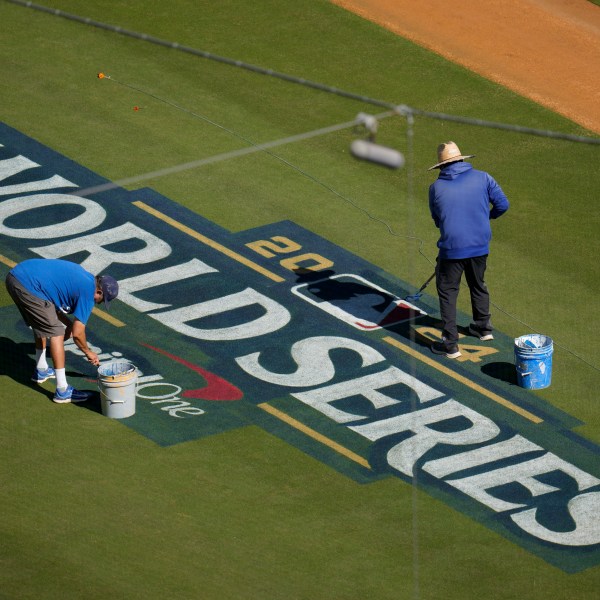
(402, 109)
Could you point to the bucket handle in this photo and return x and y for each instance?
(523, 373)
(109, 399)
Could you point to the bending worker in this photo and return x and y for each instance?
(45, 291)
(462, 201)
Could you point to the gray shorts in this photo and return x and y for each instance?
(38, 313)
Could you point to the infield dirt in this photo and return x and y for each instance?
(545, 50)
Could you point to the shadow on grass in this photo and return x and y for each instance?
(92, 404)
(504, 371)
(18, 364)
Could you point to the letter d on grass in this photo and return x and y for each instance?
(275, 317)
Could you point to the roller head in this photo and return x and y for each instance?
(381, 155)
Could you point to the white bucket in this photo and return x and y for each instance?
(117, 382)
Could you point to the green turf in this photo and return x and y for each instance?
(89, 508)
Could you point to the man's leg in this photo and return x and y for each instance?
(64, 392)
(42, 371)
(31, 308)
(57, 352)
(448, 275)
(40, 353)
(480, 298)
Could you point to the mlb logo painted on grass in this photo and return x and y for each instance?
(358, 302)
(279, 328)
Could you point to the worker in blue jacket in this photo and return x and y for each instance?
(462, 201)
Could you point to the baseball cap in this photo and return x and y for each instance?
(110, 289)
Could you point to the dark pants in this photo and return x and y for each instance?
(448, 275)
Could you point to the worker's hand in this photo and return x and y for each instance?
(93, 358)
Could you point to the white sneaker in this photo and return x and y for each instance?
(484, 336)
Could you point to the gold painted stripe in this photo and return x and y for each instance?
(7, 261)
(474, 386)
(108, 318)
(315, 435)
(209, 242)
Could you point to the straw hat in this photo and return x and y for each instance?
(448, 152)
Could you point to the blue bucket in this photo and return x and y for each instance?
(533, 360)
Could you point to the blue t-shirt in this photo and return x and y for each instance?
(66, 284)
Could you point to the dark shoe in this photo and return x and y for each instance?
(482, 334)
(451, 351)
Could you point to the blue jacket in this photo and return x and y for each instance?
(459, 201)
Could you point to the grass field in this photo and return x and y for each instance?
(92, 510)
